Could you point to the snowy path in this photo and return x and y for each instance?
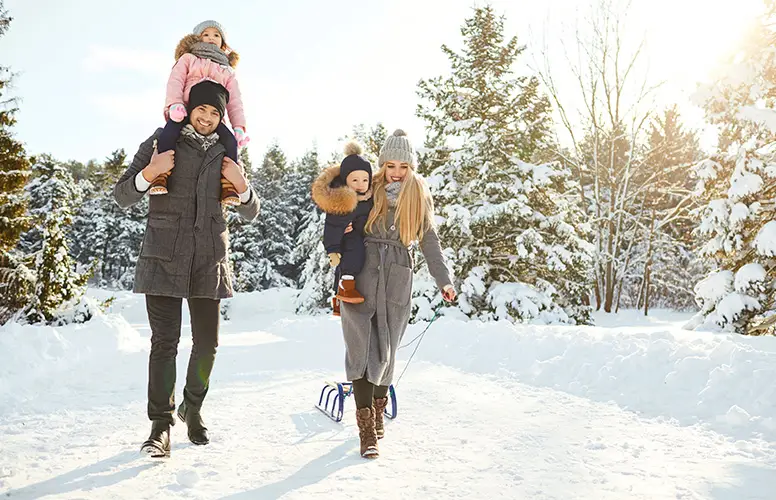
(461, 433)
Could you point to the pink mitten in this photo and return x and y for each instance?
(241, 136)
(177, 112)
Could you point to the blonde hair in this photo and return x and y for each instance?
(414, 207)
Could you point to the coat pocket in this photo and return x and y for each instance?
(160, 236)
(398, 286)
(220, 238)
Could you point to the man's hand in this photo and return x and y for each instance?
(161, 163)
(349, 228)
(234, 174)
(448, 293)
(334, 259)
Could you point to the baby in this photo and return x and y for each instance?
(344, 193)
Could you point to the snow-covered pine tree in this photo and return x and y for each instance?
(304, 212)
(317, 279)
(55, 195)
(102, 234)
(15, 276)
(266, 244)
(515, 239)
(738, 185)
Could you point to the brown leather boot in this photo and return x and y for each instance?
(347, 292)
(379, 406)
(159, 185)
(229, 194)
(365, 417)
(335, 305)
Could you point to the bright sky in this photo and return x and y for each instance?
(92, 73)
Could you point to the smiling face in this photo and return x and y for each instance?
(358, 181)
(205, 119)
(211, 35)
(396, 171)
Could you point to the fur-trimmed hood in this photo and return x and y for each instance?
(331, 196)
(188, 41)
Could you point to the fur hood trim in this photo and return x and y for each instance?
(333, 200)
(188, 41)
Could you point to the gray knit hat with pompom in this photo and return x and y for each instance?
(397, 147)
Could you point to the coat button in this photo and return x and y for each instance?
(393, 228)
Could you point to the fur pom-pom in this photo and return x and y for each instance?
(399, 133)
(353, 148)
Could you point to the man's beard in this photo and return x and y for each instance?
(204, 131)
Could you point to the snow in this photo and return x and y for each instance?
(747, 275)
(766, 116)
(745, 185)
(635, 408)
(765, 242)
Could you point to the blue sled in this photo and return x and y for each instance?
(332, 400)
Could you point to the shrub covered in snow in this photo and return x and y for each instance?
(738, 185)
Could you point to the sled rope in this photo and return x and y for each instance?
(419, 338)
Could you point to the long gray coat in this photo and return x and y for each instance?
(374, 329)
(184, 251)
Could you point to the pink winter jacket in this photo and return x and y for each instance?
(189, 71)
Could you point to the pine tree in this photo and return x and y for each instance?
(738, 186)
(371, 139)
(15, 276)
(515, 237)
(263, 248)
(57, 282)
(103, 235)
(304, 212)
(317, 279)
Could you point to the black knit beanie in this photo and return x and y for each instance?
(208, 92)
(354, 161)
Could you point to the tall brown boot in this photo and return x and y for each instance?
(335, 305)
(159, 185)
(380, 404)
(365, 417)
(229, 194)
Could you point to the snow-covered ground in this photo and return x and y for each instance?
(634, 408)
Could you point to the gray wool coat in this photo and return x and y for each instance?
(373, 329)
(185, 247)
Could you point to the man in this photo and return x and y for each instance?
(184, 256)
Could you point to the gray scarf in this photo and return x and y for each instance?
(392, 191)
(210, 51)
(205, 142)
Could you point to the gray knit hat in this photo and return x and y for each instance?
(198, 29)
(397, 147)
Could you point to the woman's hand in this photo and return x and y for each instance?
(334, 259)
(448, 293)
(349, 229)
(234, 174)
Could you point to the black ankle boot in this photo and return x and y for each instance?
(197, 430)
(158, 443)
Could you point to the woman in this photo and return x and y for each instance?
(403, 212)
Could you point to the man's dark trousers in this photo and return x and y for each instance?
(164, 315)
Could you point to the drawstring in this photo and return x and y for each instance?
(419, 338)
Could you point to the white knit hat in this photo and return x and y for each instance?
(397, 147)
